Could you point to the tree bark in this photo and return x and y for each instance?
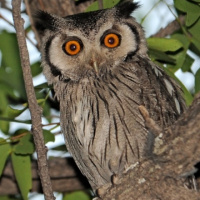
(165, 171)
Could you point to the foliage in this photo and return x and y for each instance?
(175, 54)
(18, 147)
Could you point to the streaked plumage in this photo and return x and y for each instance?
(100, 88)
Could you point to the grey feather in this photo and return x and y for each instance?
(100, 89)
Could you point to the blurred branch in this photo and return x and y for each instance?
(100, 4)
(65, 177)
(35, 110)
(7, 21)
(171, 27)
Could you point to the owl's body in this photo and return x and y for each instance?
(98, 65)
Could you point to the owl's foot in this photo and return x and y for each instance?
(149, 122)
(102, 191)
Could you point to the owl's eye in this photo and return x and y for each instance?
(111, 40)
(72, 47)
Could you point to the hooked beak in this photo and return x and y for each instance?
(94, 64)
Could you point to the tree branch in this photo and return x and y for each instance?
(65, 177)
(35, 110)
(171, 27)
(165, 171)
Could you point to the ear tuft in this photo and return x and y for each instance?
(126, 7)
(44, 20)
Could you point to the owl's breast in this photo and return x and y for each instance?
(106, 125)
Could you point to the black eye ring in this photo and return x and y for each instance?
(110, 39)
(72, 46)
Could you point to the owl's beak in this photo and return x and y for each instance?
(95, 66)
(94, 63)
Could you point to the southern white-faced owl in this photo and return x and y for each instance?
(98, 65)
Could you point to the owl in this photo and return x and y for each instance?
(98, 65)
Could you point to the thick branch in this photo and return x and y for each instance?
(35, 110)
(165, 172)
(65, 177)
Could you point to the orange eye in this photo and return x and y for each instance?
(111, 40)
(72, 47)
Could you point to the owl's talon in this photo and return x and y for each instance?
(115, 179)
(150, 124)
(102, 190)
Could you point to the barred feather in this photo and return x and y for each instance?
(103, 127)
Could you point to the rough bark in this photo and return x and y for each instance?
(166, 170)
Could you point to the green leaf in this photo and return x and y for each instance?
(12, 113)
(160, 56)
(60, 148)
(181, 55)
(187, 95)
(8, 198)
(191, 8)
(5, 150)
(22, 169)
(195, 1)
(9, 49)
(48, 136)
(197, 81)
(4, 125)
(11, 72)
(42, 86)
(26, 145)
(164, 44)
(39, 101)
(79, 195)
(5, 119)
(194, 30)
(7, 113)
(106, 4)
(110, 4)
(36, 69)
(187, 63)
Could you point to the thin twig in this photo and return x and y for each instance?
(37, 37)
(7, 21)
(35, 110)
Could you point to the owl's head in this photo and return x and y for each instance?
(89, 44)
